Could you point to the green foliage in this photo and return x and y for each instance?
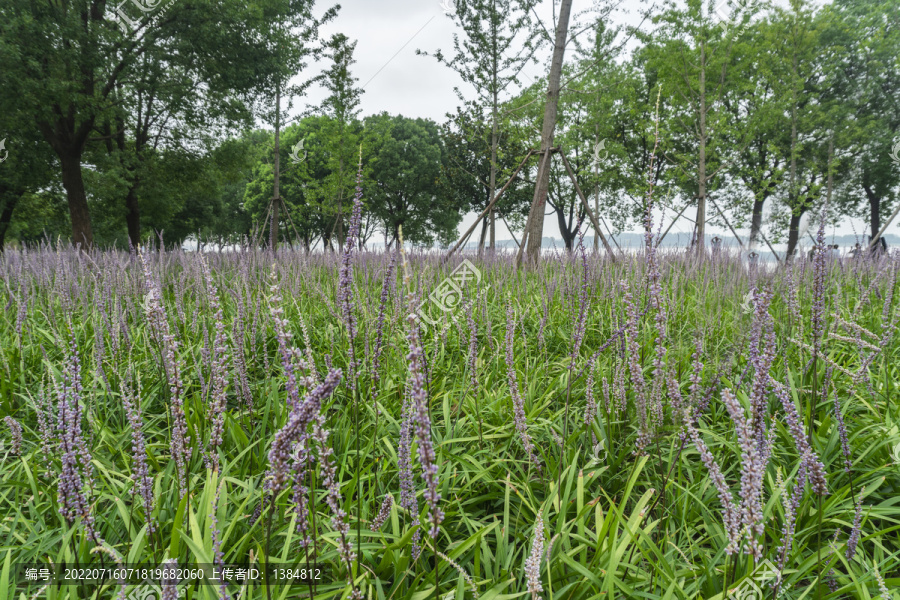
(618, 525)
(403, 179)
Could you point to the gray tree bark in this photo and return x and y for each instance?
(535, 227)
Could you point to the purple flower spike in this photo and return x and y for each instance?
(422, 422)
(140, 472)
(219, 372)
(753, 466)
(815, 468)
(299, 419)
(15, 430)
(518, 401)
(731, 515)
(75, 457)
(383, 512)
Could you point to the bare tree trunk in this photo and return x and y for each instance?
(535, 228)
(701, 163)
(78, 206)
(133, 214)
(276, 200)
(874, 209)
(9, 201)
(793, 235)
(340, 223)
(484, 227)
(493, 182)
(756, 222)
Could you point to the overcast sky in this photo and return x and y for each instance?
(396, 80)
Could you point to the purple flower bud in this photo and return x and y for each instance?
(379, 323)
(15, 430)
(533, 562)
(853, 540)
(218, 374)
(383, 512)
(422, 422)
(298, 420)
(815, 468)
(753, 467)
(731, 515)
(218, 555)
(169, 589)
(159, 326)
(76, 459)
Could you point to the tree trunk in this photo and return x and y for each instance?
(340, 223)
(133, 215)
(701, 162)
(78, 206)
(492, 236)
(493, 181)
(542, 185)
(597, 234)
(756, 222)
(484, 228)
(9, 205)
(796, 213)
(793, 235)
(874, 210)
(276, 200)
(132, 210)
(564, 230)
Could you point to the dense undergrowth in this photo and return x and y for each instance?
(662, 430)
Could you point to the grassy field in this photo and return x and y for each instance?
(655, 426)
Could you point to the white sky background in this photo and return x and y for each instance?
(398, 81)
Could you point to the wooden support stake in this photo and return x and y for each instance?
(545, 158)
(775, 254)
(510, 231)
(883, 229)
(489, 206)
(721, 214)
(587, 206)
(666, 232)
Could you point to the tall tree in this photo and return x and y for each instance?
(861, 42)
(403, 166)
(75, 59)
(466, 173)
(26, 162)
(752, 152)
(493, 30)
(342, 105)
(799, 26)
(291, 59)
(690, 51)
(533, 232)
(307, 195)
